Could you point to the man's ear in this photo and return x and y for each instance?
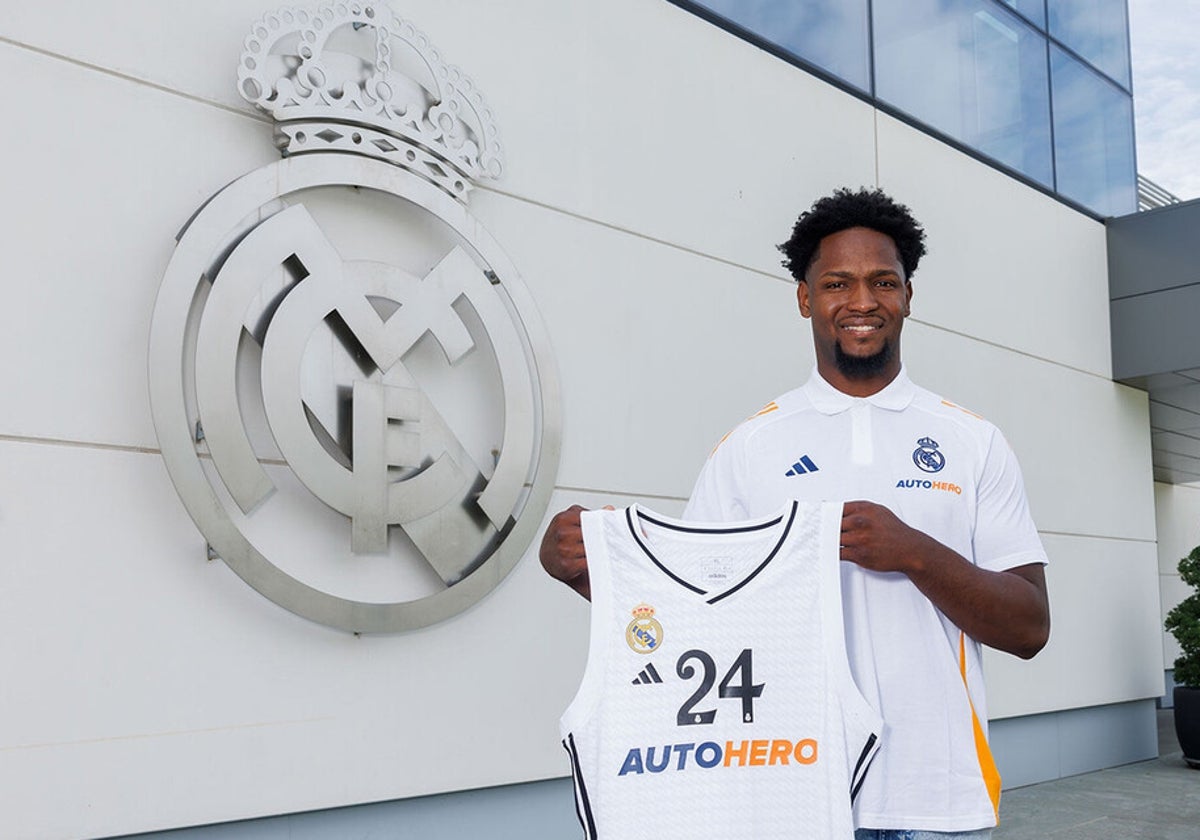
(908, 293)
(802, 298)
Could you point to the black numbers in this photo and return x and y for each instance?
(685, 716)
(744, 688)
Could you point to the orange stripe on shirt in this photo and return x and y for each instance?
(766, 409)
(722, 440)
(963, 410)
(987, 764)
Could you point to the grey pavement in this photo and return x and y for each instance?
(1155, 800)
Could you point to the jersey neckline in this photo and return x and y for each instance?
(782, 520)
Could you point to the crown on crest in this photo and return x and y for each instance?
(355, 77)
(643, 611)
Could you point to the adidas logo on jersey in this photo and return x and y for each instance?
(649, 674)
(803, 466)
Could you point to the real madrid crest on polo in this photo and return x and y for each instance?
(725, 707)
(352, 389)
(927, 457)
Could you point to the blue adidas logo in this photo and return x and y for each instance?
(803, 466)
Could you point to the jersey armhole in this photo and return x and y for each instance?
(832, 615)
(588, 695)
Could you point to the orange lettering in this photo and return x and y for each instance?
(730, 752)
(780, 750)
(758, 753)
(806, 751)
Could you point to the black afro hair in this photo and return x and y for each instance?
(844, 209)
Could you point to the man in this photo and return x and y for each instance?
(940, 552)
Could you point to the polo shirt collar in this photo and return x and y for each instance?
(829, 400)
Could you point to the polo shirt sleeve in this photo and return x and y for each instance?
(718, 494)
(1005, 536)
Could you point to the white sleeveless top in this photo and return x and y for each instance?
(717, 699)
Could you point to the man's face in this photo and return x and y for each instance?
(857, 297)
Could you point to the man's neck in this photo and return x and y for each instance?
(864, 387)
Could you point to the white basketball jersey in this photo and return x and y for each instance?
(717, 700)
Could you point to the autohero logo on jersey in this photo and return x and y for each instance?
(929, 458)
(707, 755)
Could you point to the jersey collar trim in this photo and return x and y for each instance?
(897, 396)
(634, 514)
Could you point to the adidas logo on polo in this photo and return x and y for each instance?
(803, 466)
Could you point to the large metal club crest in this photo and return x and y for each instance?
(351, 386)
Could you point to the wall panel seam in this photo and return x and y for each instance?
(117, 74)
(757, 271)
(620, 492)
(80, 444)
(1143, 540)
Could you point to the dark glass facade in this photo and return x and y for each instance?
(1092, 139)
(1097, 30)
(832, 34)
(973, 71)
(1039, 87)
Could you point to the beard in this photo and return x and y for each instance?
(862, 367)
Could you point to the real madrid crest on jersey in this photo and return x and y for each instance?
(351, 387)
(644, 634)
(927, 456)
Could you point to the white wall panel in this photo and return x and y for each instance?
(642, 116)
(1006, 263)
(616, 111)
(146, 687)
(194, 48)
(1177, 510)
(1104, 639)
(660, 351)
(180, 46)
(91, 226)
(679, 131)
(1082, 441)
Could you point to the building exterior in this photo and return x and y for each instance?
(652, 158)
(1041, 88)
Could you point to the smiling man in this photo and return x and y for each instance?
(940, 553)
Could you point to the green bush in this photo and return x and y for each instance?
(1184, 623)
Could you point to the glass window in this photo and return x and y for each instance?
(1093, 138)
(1097, 30)
(971, 70)
(1035, 10)
(832, 34)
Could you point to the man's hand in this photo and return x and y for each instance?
(562, 553)
(1007, 610)
(873, 537)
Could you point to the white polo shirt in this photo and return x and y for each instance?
(944, 471)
